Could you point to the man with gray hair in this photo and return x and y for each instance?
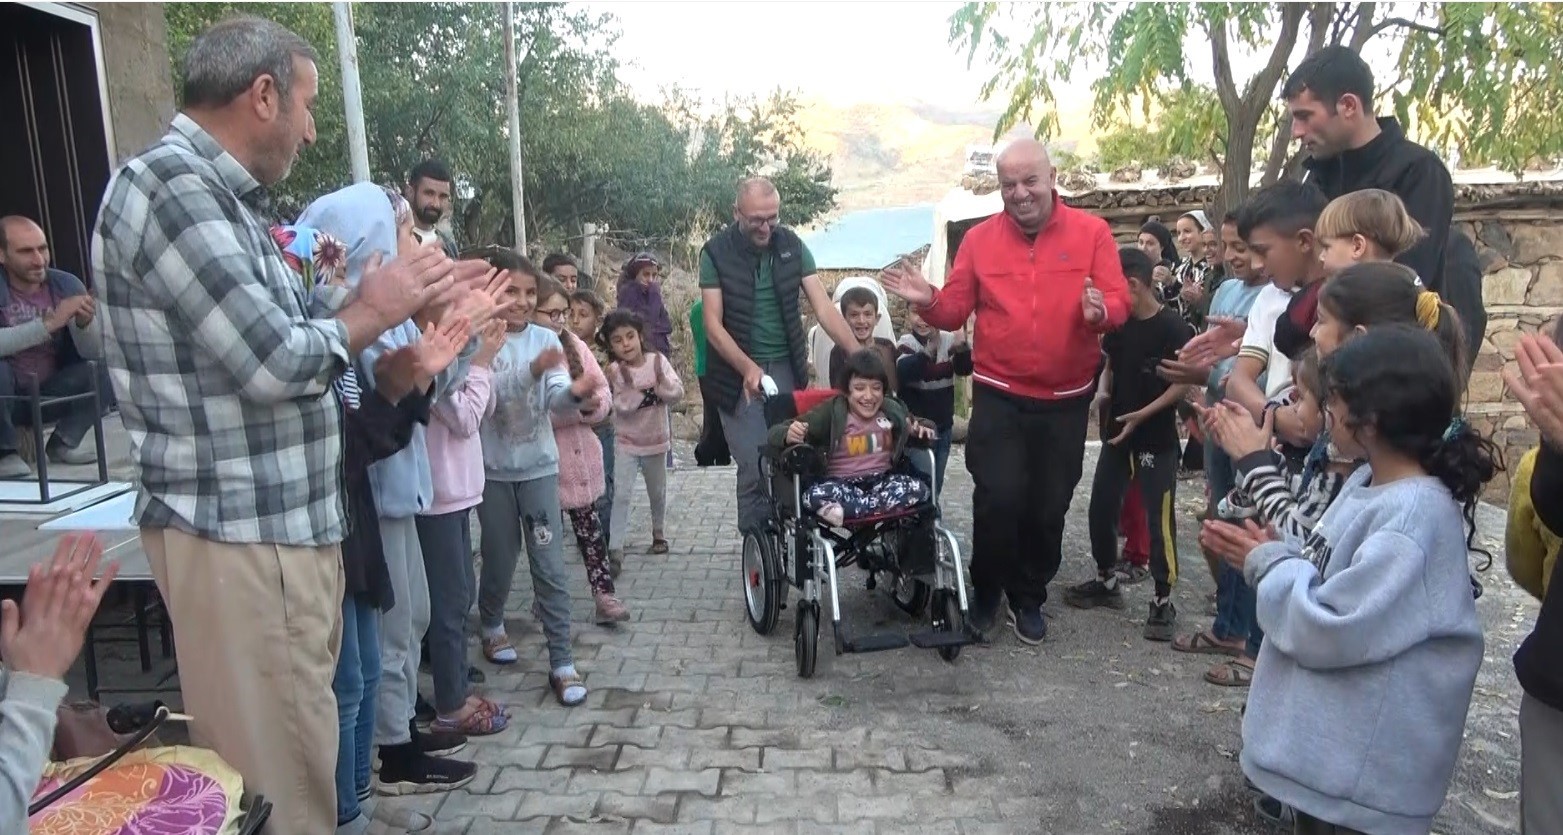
(222, 361)
(750, 276)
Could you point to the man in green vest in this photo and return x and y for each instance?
(750, 277)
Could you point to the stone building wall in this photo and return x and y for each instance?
(140, 83)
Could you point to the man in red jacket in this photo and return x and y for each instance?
(1045, 282)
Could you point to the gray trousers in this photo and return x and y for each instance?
(1541, 768)
(746, 429)
(401, 631)
(654, 468)
(446, 541)
(509, 509)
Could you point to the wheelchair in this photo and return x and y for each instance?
(908, 552)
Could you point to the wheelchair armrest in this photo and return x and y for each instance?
(798, 459)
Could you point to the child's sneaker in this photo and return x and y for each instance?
(611, 609)
(1235, 507)
(1096, 592)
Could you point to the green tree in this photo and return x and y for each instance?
(433, 85)
(1478, 79)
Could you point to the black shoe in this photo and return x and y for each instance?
(1093, 593)
(1030, 626)
(984, 611)
(1162, 623)
(404, 770)
(439, 743)
(475, 676)
(423, 712)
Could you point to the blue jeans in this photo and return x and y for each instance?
(604, 503)
(941, 455)
(356, 684)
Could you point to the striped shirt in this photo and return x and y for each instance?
(1284, 499)
(222, 373)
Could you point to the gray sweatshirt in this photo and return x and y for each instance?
(27, 716)
(1372, 645)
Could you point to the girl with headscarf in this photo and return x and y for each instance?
(371, 221)
(640, 290)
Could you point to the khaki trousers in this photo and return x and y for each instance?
(257, 629)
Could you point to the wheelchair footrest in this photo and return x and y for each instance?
(872, 643)
(931, 639)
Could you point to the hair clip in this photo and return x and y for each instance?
(1456, 428)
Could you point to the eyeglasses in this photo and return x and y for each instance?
(555, 315)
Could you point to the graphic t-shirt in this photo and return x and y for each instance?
(864, 448)
(1135, 351)
(25, 306)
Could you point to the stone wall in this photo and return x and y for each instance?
(1522, 254)
(140, 83)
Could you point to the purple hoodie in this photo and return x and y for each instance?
(646, 300)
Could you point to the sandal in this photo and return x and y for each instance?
(569, 689)
(486, 719)
(1233, 673)
(499, 650)
(659, 546)
(1205, 643)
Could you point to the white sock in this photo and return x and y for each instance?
(493, 631)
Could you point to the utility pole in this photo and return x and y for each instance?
(513, 105)
(352, 93)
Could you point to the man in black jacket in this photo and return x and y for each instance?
(1330, 96)
(751, 274)
(1538, 385)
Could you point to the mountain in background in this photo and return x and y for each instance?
(904, 154)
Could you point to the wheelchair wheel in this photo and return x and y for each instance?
(805, 640)
(910, 595)
(947, 618)
(762, 582)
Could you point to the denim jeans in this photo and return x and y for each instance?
(356, 683)
(604, 503)
(941, 456)
(446, 541)
(1232, 619)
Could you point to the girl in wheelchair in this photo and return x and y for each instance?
(862, 433)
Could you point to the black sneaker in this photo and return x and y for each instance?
(439, 743)
(423, 712)
(1094, 593)
(1163, 621)
(406, 772)
(984, 612)
(1030, 626)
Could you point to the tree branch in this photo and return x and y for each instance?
(1226, 88)
(1275, 163)
(1404, 23)
(1261, 85)
(1362, 31)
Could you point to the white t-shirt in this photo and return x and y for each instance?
(1259, 339)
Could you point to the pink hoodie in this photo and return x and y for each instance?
(581, 479)
(637, 430)
(455, 450)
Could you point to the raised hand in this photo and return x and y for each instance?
(43, 636)
(1538, 385)
(439, 347)
(490, 339)
(1092, 305)
(549, 358)
(1233, 428)
(397, 289)
(906, 280)
(1220, 341)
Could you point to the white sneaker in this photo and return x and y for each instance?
(84, 452)
(13, 465)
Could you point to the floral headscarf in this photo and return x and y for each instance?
(319, 260)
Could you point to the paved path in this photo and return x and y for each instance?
(696, 724)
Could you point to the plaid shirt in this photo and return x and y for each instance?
(223, 378)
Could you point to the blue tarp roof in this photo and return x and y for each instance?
(871, 238)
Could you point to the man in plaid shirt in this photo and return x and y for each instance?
(223, 362)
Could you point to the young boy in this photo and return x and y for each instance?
(929, 362)
(860, 307)
(1140, 442)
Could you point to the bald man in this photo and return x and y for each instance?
(47, 333)
(1045, 283)
(750, 277)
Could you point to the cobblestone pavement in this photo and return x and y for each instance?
(695, 724)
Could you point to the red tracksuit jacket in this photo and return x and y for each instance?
(1031, 336)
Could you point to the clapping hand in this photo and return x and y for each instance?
(43, 636)
(906, 280)
(484, 300)
(1234, 430)
(1538, 385)
(68, 309)
(1217, 343)
(439, 347)
(548, 358)
(490, 339)
(397, 289)
(1092, 305)
(1184, 373)
(1234, 543)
